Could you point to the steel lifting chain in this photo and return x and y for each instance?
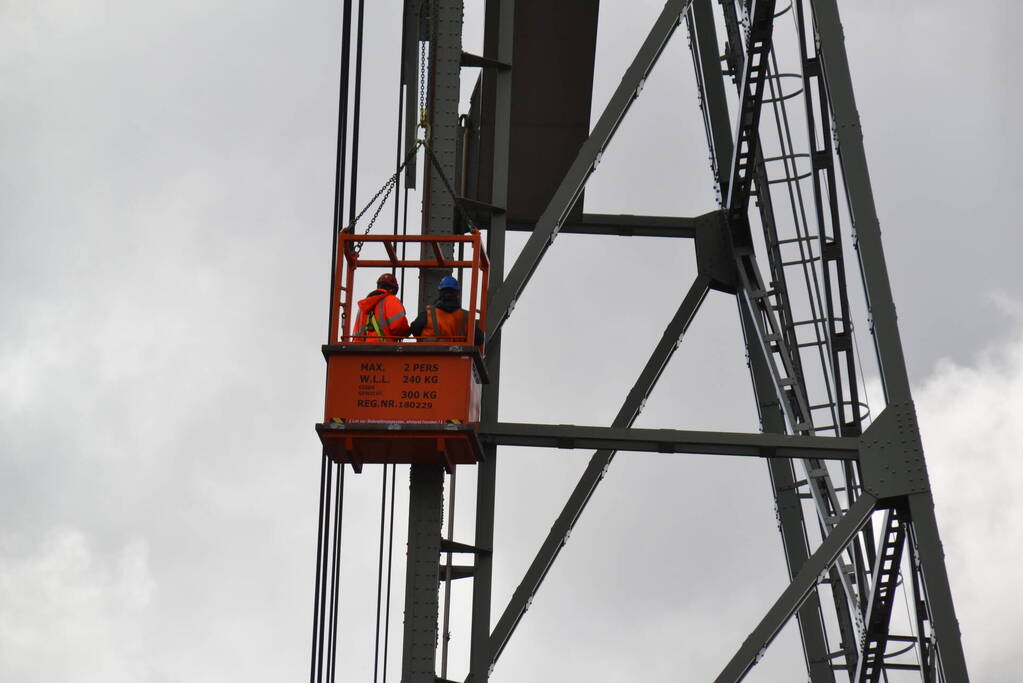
(384, 193)
(424, 122)
(424, 119)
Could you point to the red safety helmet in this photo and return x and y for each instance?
(388, 281)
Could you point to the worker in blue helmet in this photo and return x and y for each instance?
(445, 320)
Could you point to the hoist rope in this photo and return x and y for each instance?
(340, 157)
(356, 109)
(321, 571)
(319, 568)
(335, 594)
(328, 543)
(380, 573)
(390, 561)
(346, 45)
(399, 203)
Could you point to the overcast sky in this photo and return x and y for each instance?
(165, 208)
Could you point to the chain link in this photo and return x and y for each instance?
(422, 76)
(386, 190)
(384, 193)
(423, 121)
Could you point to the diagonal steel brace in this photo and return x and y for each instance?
(792, 597)
(571, 187)
(594, 473)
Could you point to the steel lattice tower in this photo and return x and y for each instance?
(868, 527)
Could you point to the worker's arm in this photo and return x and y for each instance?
(400, 328)
(397, 323)
(418, 324)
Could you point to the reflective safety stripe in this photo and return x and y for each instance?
(375, 323)
(433, 322)
(435, 326)
(376, 316)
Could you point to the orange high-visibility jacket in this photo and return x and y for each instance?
(381, 318)
(443, 325)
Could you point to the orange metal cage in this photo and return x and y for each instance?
(395, 402)
(349, 260)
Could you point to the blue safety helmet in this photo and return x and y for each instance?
(450, 283)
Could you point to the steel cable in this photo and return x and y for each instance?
(390, 558)
(398, 204)
(356, 108)
(380, 573)
(319, 568)
(335, 597)
(340, 156)
(323, 545)
(335, 593)
(322, 588)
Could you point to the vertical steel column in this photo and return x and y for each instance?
(497, 89)
(885, 328)
(426, 482)
(422, 595)
(445, 31)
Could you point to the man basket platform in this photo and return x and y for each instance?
(396, 400)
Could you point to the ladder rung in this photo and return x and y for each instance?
(458, 571)
(800, 261)
(790, 240)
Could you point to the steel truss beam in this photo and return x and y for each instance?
(497, 86)
(670, 441)
(774, 360)
(747, 152)
(631, 226)
(554, 216)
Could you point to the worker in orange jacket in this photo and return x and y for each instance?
(381, 316)
(446, 320)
